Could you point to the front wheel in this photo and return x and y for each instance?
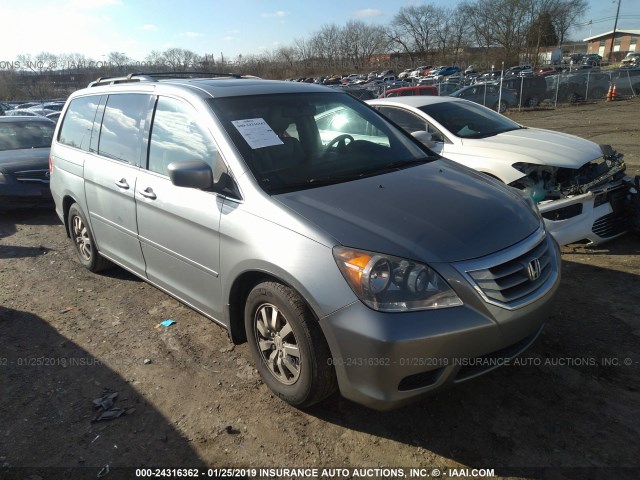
(287, 345)
(83, 240)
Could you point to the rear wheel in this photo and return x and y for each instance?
(572, 97)
(287, 345)
(500, 107)
(83, 240)
(532, 102)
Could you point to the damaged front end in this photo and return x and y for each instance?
(583, 204)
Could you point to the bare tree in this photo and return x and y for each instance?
(440, 28)
(500, 23)
(361, 41)
(304, 51)
(180, 59)
(566, 14)
(118, 59)
(74, 61)
(326, 45)
(480, 32)
(398, 43)
(155, 58)
(40, 63)
(412, 29)
(285, 59)
(458, 31)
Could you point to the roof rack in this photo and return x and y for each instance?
(153, 77)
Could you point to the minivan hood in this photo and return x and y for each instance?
(538, 146)
(437, 212)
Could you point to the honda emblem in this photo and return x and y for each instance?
(534, 269)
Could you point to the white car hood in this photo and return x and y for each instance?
(529, 145)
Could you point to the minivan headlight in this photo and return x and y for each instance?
(392, 284)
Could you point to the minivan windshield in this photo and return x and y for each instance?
(305, 140)
(468, 119)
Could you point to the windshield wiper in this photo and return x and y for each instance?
(491, 134)
(398, 165)
(311, 183)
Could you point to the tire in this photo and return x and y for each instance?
(502, 105)
(532, 102)
(572, 97)
(83, 240)
(287, 345)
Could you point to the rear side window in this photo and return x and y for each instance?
(123, 123)
(407, 120)
(78, 122)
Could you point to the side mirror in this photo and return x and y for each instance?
(424, 137)
(191, 174)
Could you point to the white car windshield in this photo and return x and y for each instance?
(469, 120)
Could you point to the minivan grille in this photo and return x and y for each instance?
(513, 280)
(41, 176)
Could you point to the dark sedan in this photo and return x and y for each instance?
(24, 161)
(488, 94)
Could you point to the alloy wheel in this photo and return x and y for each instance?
(81, 237)
(277, 344)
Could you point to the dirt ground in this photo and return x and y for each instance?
(571, 409)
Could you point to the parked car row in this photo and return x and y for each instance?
(529, 91)
(520, 86)
(49, 110)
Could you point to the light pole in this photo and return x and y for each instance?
(613, 36)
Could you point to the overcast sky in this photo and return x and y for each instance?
(136, 27)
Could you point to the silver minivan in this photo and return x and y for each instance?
(346, 253)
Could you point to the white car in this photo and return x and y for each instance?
(576, 183)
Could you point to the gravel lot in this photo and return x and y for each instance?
(569, 409)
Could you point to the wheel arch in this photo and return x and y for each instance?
(67, 201)
(238, 293)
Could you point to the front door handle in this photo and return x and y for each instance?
(122, 184)
(148, 193)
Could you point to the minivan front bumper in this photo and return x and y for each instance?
(385, 360)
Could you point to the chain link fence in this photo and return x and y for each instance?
(517, 92)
